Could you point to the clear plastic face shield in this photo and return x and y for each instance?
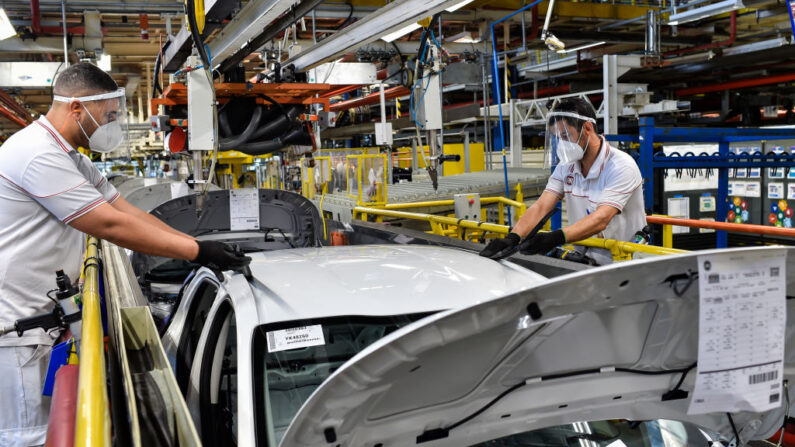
(107, 113)
(565, 138)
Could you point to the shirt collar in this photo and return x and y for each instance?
(601, 159)
(42, 121)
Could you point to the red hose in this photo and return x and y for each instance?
(63, 410)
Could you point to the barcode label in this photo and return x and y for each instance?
(295, 338)
(753, 379)
(774, 398)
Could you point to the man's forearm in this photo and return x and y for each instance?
(590, 225)
(126, 207)
(128, 231)
(535, 213)
(143, 237)
(152, 220)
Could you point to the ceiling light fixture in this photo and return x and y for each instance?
(703, 12)
(581, 47)
(6, 28)
(401, 32)
(458, 6)
(104, 62)
(464, 37)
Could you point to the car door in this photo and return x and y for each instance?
(183, 333)
(218, 379)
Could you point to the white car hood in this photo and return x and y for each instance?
(411, 385)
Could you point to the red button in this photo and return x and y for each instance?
(471, 201)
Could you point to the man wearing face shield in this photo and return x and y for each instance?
(601, 185)
(50, 195)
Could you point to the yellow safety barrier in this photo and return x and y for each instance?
(366, 178)
(93, 415)
(518, 205)
(452, 227)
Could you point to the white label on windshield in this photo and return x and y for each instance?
(741, 326)
(150, 181)
(243, 209)
(294, 338)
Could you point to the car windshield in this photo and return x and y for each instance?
(614, 433)
(284, 379)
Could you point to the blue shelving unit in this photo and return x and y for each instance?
(650, 163)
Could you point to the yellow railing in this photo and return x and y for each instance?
(518, 205)
(458, 228)
(93, 415)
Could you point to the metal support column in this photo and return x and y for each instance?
(516, 136)
(414, 164)
(646, 126)
(466, 152)
(722, 237)
(610, 101)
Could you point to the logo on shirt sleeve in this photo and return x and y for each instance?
(569, 180)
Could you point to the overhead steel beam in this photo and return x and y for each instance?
(407, 47)
(180, 47)
(102, 7)
(255, 42)
(391, 17)
(247, 24)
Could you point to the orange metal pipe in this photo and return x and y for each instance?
(724, 226)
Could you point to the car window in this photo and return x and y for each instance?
(203, 299)
(218, 380)
(614, 433)
(284, 380)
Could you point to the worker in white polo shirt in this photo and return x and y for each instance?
(50, 195)
(601, 185)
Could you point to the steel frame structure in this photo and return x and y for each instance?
(650, 162)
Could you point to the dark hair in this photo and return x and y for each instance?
(83, 79)
(579, 106)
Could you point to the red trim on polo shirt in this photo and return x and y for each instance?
(52, 132)
(43, 197)
(84, 210)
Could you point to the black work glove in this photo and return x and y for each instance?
(542, 243)
(497, 247)
(220, 256)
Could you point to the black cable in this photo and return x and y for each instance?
(277, 104)
(197, 38)
(734, 429)
(231, 142)
(561, 376)
(684, 374)
(158, 62)
(285, 237)
(487, 406)
(350, 16)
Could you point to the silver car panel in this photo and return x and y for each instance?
(448, 366)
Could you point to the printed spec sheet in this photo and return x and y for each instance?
(243, 209)
(742, 321)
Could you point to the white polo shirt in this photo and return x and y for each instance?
(44, 184)
(613, 180)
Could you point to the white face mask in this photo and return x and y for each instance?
(569, 151)
(106, 138)
(110, 135)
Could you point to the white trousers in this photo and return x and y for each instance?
(24, 412)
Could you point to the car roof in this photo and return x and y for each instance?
(377, 280)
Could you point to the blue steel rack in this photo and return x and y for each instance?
(722, 160)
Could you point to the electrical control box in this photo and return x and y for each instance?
(467, 206)
(201, 109)
(383, 134)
